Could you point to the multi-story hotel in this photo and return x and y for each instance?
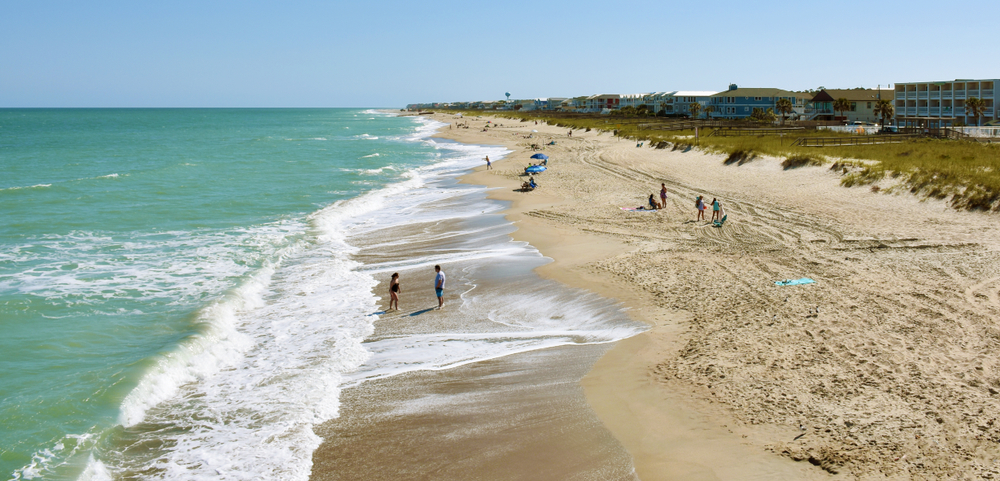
(942, 104)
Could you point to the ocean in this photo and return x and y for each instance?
(186, 293)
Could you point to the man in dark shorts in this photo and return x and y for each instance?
(439, 286)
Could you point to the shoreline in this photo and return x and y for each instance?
(668, 435)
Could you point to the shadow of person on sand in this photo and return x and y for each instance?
(421, 312)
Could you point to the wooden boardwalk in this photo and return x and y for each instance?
(853, 140)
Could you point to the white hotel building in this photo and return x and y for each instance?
(942, 104)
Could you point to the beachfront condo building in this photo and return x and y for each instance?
(739, 103)
(943, 104)
(862, 104)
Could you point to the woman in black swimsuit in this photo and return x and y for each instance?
(394, 291)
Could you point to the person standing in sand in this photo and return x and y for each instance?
(439, 286)
(715, 210)
(394, 291)
(700, 205)
(489, 166)
(663, 195)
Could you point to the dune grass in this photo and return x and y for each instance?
(966, 173)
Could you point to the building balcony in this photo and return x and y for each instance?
(935, 111)
(922, 111)
(959, 93)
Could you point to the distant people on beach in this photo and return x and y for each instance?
(663, 194)
(570, 134)
(394, 291)
(652, 202)
(715, 210)
(700, 205)
(488, 164)
(439, 286)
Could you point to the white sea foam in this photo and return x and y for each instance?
(366, 137)
(369, 155)
(109, 176)
(36, 186)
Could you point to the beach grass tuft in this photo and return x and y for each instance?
(801, 160)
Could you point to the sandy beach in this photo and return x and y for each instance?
(885, 367)
(882, 368)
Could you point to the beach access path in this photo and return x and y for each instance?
(885, 367)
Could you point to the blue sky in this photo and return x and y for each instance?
(390, 53)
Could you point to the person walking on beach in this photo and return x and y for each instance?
(394, 291)
(489, 166)
(663, 195)
(700, 205)
(439, 286)
(715, 209)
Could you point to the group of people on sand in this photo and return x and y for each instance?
(717, 212)
(394, 289)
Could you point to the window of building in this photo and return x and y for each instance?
(746, 109)
(757, 99)
(854, 106)
(869, 105)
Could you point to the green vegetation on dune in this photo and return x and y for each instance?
(966, 173)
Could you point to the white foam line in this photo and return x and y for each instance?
(428, 261)
(354, 382)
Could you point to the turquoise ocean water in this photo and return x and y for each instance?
(180, 290)
(127, 237)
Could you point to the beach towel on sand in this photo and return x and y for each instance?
(794, 282)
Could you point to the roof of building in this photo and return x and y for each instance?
(695, 93)
(856, 95)
(614, 96)
(761, 92)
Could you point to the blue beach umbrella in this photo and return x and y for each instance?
(540, 156)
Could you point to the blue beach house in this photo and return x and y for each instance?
(738, 103)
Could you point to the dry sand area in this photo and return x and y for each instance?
(887, 366)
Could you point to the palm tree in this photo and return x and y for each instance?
(784, 107)
(708, 111)
(694, 109)
(975, 107)
(842, 105)
(883, 109)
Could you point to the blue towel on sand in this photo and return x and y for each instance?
(795, 282)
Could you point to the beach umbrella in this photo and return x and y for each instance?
(534, 131)
(540, 156)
